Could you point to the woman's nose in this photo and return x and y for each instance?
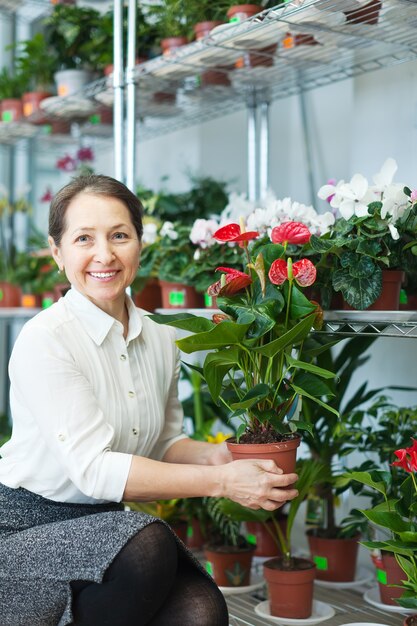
(104, 253)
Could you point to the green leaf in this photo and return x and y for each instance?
(318, 244)
(303, 393)
(308, 367)
(359, 292)
(312, 384)
(364, 478)
(185, 321)
(254, 395)
(299, 305)
(216, 365)
(291, 337)
(392, 521)
(221, 335)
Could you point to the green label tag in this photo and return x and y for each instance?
(95, 119)
(321, 562)
(403, 296)
(47, 129)
(251, 539)
(177, 298)
(208, 300)
(234, 19)
(209, 568)
(381, 576)
(190, 531)
(46, 302)
(1, 295)
(7, 116)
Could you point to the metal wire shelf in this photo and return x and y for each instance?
(367, 323)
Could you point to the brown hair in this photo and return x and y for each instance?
(98, 185)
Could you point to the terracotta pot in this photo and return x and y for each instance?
(215, 76)
(164, 97)
(240, 12)
(284, 453)
(411, 620)
(170, 44)
(264, 57)
(31, 101)
(290, 591)
(389, 299)
(230, 567)
(103, 115)
(291, 41)
(195, 538)
(263, 536)
(335, 559)
(178, 296)
(150, 298)
(390, 574)
(368, 14)
(202, 29)
(57, 127)
(9, 294)
(11, 110)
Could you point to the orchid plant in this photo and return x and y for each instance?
(397, 515)
(255, 366)
(373, 231)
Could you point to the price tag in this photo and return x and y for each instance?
(321, 562)
(381, 576)
(177, 298)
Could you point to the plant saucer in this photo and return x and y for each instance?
(363, 576)
(257, 581)
(321, 612)
(372, 596)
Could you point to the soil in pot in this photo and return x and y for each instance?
(335, 557)
(229, 566)
(290, 588)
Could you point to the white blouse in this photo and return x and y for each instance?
(84, 400)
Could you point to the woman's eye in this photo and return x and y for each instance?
(120, 236)
(82, 238)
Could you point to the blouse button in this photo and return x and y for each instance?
(135, 431)
(131, 394)
(61, 437)
(123, 357)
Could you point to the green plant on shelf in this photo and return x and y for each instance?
(13, 84)
(34, 60)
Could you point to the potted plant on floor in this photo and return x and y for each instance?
(254, 366)
(368, 248)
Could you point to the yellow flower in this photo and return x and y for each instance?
(218, 438)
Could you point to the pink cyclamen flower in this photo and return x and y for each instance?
(230, 283)
(303, 272)
(331, 181)
(85, 154)
(233, 233)
(47, 196)
(414, 195)
(290, 232)
(66, 164)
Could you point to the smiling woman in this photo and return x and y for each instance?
(97, 420)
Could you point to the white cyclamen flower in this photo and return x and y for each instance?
(168, 230)
(150, 233)
(237, 207)
(394, 202)
(202, 233)
(386, 175)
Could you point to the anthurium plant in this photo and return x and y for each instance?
(398, 516)
(373, 231)
(255, 366)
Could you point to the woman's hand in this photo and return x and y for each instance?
(257, 484)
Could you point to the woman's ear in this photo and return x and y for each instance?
(56, 253)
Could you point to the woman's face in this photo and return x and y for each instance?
(99, 249)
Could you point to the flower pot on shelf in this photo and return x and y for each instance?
(9, 294)
(72, 81)
(203, 29)
(195, 538)
(11, 110)
(150, 298)
(411, 620)
(389, 299)
(390, 573)
(31, 101)
(284, 453)
(262, 535)
(229, 566)
(264, 57)
(239, 12)
(290, 590)
(335, 559)
(170, 44)
(368, 14)
(179, 296)
(31, 300)
(215, 77)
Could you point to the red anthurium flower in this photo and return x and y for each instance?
(233, 232)
(303, 272)
(231, 282)
(407, 458)
(290, 232)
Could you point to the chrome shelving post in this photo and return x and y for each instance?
(118, 85)
(252, 149)
(131, 98)
(263, 149)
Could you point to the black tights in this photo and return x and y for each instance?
(149, 583)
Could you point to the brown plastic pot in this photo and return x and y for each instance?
(368, 14)
(150, 298)
(170, 44)
(239, 12)
(31, 101)
(195, 538)
(264, 57)
(179, 296)
(9, 294)
(335, 559)
(284, 453)
(390, 574)
(11, 110)
(263, 536)
(229, 566)
(290, 590)
(215, 77)
(202, 29)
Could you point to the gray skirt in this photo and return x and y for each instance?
(44, 545)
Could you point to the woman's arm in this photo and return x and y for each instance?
(198, 452)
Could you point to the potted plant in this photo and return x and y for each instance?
(34, 59)
(369, 245)
(70, 32)
(172, 24)
(396, 516)
(13, 85)
(254, 366)
(334, 543)
(289, 578)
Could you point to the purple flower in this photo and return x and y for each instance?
(47, 196)
(66, 164)
(85, 154)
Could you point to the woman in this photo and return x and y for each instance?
(96, 420)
